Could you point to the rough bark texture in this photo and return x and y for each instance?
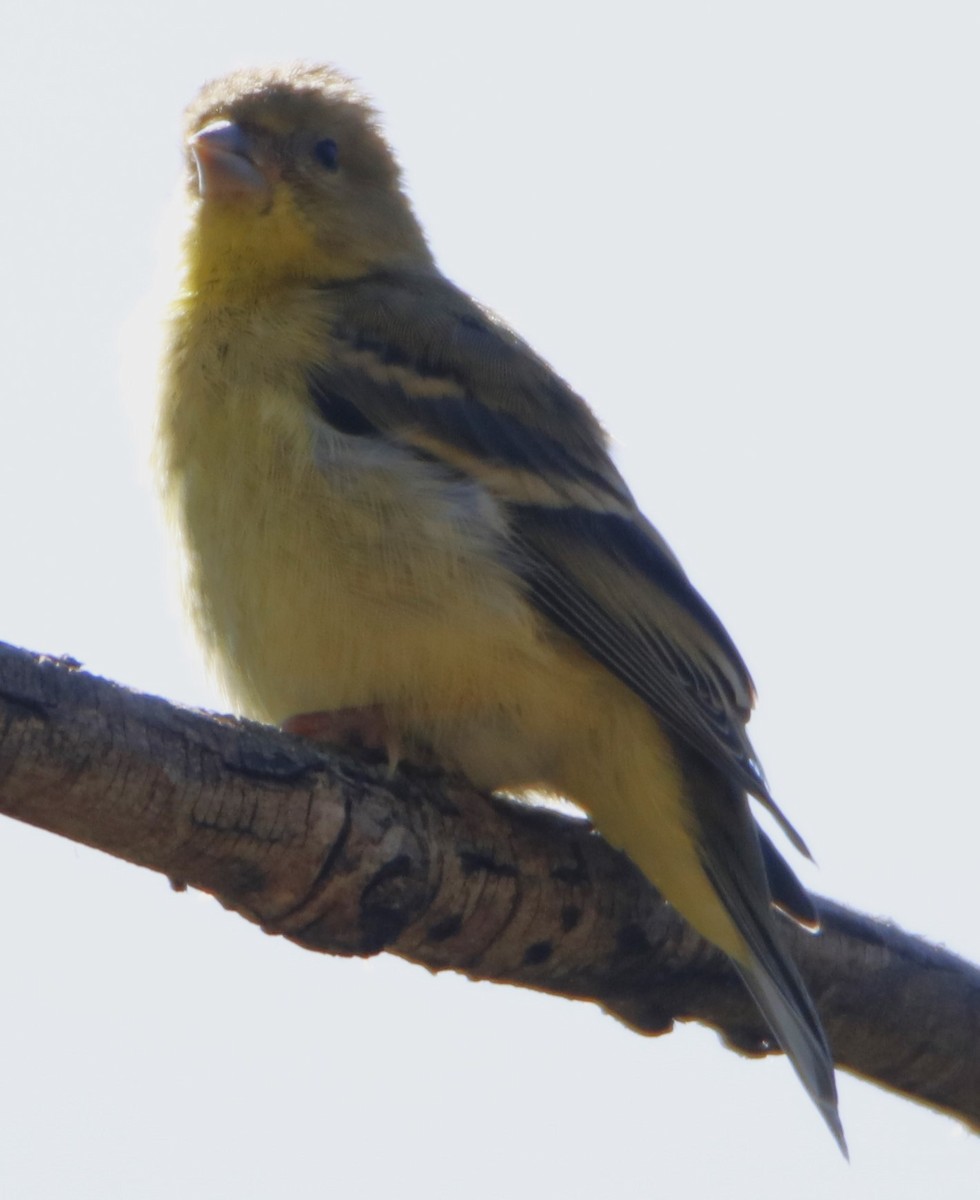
(331, 852)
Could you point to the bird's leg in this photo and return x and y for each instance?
(364, 728)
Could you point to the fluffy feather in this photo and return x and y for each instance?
(388, 500)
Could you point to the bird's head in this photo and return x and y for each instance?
(290, 178)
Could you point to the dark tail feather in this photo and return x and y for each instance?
(787, 892)
(781, 995)
(740, 862)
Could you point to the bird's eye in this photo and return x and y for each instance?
(325, 153)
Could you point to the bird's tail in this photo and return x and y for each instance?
(734, 862)
(780, 993)
(691, 832)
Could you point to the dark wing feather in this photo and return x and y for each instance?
(417, 361)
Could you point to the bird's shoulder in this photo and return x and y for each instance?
(413, 356)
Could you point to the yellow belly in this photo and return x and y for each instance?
(326, 572)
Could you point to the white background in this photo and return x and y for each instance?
(748, 233)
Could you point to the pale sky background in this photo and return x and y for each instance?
(748, 233)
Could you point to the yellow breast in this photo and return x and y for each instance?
(323, 570)
(326, 571)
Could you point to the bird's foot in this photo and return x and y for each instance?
(364, 728)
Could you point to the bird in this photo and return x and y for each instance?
(400, 523)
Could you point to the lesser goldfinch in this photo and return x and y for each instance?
(395, 511)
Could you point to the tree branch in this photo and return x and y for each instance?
(331, 852)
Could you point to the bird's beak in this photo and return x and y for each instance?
(225, 170)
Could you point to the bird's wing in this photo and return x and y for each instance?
(415, 361)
